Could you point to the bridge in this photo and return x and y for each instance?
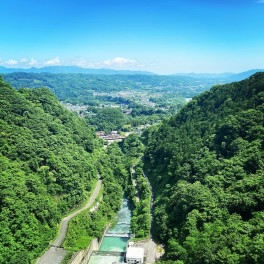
(118, 235)
(108, 253)
(123, 223)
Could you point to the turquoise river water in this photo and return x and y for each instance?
(115, 240)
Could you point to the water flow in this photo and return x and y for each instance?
(123, 220)
(114, 242)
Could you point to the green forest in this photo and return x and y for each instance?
(117, 102)
(50, 161)
(113, 169)
(206, 166)
(138, 190)
(81, 87)
(47, 167)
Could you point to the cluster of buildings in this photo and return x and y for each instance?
(114, 136)
(79, 109)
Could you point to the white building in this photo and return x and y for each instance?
(135, 255)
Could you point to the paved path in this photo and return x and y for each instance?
(55, 254)
(52, 256)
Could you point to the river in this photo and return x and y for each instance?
(114, 243)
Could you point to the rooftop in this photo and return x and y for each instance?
(135, 252)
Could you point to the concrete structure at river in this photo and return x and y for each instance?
(114, 243)
(134, 255)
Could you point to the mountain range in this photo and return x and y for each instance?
(104, 71)
(229, 76)
(71, 69)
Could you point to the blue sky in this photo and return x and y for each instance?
(166, 36)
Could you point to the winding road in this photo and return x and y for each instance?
(55, 254)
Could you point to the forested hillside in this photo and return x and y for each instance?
(113, 168)
(116, 102)
(80, 88)
(47, 166)
(207, 168)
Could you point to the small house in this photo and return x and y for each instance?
(135, 255)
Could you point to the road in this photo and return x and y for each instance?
(55, 254)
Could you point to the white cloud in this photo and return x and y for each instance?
(119, 61)
(33, 62)
(54, 61)
(116, 62)
(11, 62)
(24, 60)
(83, 63)
(79, 62)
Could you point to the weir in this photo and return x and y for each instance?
(117, 235)
(114, 243)
(106, 253)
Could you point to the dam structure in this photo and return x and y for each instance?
(114, 243)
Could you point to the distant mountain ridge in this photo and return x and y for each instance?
(229, 76)
(226, 76)
(71, 69)
(244, 75)
(207, 75)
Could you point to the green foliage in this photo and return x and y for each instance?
(118, 163)
(81, 87)
(86, 225)
(107, 119)
(142, 99)
(46, 168)
(132, 147)
(141, 218)
(206, 166)
(137, 187)
(68, 257)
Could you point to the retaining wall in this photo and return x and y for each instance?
(83, 256)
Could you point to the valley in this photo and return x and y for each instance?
(192, 172)
(132, 132)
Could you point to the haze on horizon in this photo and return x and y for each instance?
(165, 37)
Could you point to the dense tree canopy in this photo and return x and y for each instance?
(113, 101)
(206, 165)
(107, 119)
(47, 166)
(84, 227)
(80, 87)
